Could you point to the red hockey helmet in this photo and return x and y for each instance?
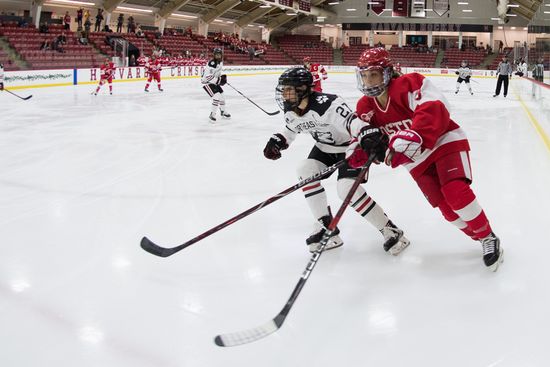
(374, 59)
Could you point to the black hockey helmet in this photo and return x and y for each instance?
(302, 81)
(217, 51)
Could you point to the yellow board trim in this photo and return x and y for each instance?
(538, 128)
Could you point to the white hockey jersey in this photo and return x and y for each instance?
(329, 120)
(464, 72)
(212, 72)
(522, 68)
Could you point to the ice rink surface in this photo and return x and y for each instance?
(83, 178)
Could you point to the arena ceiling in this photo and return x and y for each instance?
(274, 16)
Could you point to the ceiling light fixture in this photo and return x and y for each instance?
(134, 9)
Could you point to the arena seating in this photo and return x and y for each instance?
(454, 57)
(27, 41)
(300, 46)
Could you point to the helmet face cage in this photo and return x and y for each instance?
(299, 80)
(374, 90)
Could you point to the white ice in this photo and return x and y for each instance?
(83, 178)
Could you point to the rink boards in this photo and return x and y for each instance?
(534, 97)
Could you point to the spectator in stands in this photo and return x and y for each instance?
(139, 32)
(67, 21)
(45, 45)
(500, 46)
(98, 20)
(87, 25)
(62, 39)
(83, 38)
(86, 15)
(79, 15)
(131, 25)
(107, 29)
(43, 28)
(132, 61)
(119, 23)
(57, 45)
(251, 52)
(189, 31)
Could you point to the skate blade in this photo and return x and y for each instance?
(332, 243)
(500, 260)
(399, 246)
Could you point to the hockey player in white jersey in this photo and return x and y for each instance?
(333, 126)
(464, 74)
(212, 80)
(1, 76)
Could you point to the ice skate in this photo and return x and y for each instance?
(395, 241)
(314, 240)
(212, 118)
(225, 115)
(492, 253)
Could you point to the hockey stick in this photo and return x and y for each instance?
(251, 335)
(23, 98)
(251, 101)
(155, 249)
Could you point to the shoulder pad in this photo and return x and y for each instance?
(321, 102)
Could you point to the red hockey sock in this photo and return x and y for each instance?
(463, 202)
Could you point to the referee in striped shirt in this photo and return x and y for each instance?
(504, 72)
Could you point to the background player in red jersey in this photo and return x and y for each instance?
(424, 139)
(107, 73)
(153, 68)
(318, 71)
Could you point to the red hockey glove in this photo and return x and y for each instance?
(405, 147)
(356, 156)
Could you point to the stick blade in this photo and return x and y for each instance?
(26, 98)
(247, 336)
(273, 113)
(155, 249)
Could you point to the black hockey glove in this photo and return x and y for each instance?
(456, 72)
(373, 141)
(223, 79)
(274, 146)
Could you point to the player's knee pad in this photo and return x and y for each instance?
(458, 194)
(309, 167)
(344, 185)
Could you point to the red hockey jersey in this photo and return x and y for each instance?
(319, 73)
(153, 66)
(107, 71)
(415, 103)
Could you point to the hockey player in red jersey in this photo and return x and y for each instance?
(318, 71)
(423, 138)
(107, 73)
(153, 68)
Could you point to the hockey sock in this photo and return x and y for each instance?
(363, 204)
(110, 87)
(147, 85)
(469, 87)
(314, 192)
(457, 86)
(455, 220)
(462, 200)
(159, 86)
